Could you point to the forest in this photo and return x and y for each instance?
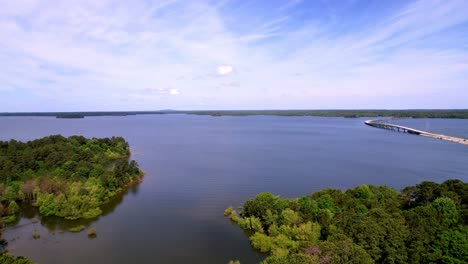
(65, 177)
(425, 223)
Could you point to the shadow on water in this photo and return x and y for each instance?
(59, 224)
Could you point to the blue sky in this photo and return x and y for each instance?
(149, 55)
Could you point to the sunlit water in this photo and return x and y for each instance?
(198, 165)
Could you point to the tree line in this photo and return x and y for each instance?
(410, 113)
(461, 114)
(425, 223)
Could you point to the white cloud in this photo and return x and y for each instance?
(159, 91)
(224, 69)
(174, 91)
(78, 52)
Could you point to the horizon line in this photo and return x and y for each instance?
(240, 110)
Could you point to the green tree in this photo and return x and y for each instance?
(341, 250)
(447, 209)
(13, 207)
(290, 217)
(452, 246)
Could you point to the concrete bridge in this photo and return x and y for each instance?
(380, 123)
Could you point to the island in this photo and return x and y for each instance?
(64, 177)
(425, 223)
(70, 116)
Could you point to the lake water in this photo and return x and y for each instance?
(198, 165)
(452, 127)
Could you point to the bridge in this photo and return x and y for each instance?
(381, 123)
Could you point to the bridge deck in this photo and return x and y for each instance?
(381, 124)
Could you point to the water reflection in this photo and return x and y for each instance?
(30, 218)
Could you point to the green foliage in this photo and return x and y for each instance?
(262, 242)
(231, 213)
(363, 192)
(261, 203)
(251, 223)
(292, 259)
(77, 229)
(10, 193)
(13, 207)
(66, 177)
(382, 235)
(452, 246)
(447, 209)
(290, 217)
(6, 258)
(341, 250)
(279, 244)
(47, 204)
(309, 232)
(425, 223)
(10, 219)
(270, 218)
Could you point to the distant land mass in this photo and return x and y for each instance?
(410, 113)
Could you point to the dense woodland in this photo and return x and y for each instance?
(426, 223)
(66, 177)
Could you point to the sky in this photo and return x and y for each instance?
(234, 54)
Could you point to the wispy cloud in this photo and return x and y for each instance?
(83, 55)
(224, 69)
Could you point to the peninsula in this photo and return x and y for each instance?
(425, 223)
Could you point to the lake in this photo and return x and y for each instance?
(196, 166)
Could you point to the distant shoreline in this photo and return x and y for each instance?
(415, 113)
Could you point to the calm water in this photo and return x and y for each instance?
(452, 127)
(198, 165)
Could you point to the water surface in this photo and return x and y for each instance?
(198, 165)
(451, 127)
